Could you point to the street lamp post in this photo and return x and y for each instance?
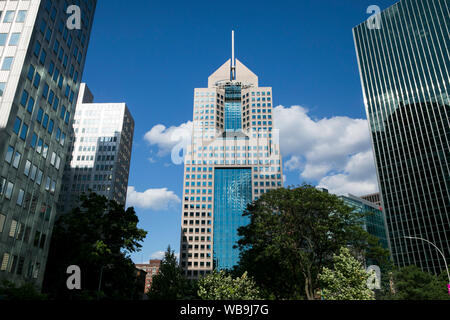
(443, 256)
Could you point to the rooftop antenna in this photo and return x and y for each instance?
(233, 61)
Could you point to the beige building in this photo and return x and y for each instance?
(100, 146)
(232, 159)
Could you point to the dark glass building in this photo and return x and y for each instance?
(405, 75)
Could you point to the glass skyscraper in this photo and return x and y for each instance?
(41, 65)
(232, 159)
(374, 223)
(404, 67)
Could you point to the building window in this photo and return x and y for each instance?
(37, 49)
(9, 154)
(21, 16)
(24, 132)
(9, 16)
(5, 261)
(3, 37)
(17, 125)
(9, 190)
(2, 222)
(20, 197)
(17, 158)
(14, 40)
(43, 57)
(7, 63)
(37, 80)
(30, 105)
(31, 71)
(24, 99)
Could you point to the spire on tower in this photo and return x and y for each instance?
(233, 59)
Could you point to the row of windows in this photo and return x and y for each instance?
(10, 14)
(95, 187)
(9, 264)
(13, 40)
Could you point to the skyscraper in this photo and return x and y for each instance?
(100, 151)
(232, 159)
(42, 63)
(404, 67)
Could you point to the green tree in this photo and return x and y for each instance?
(220, 286)
(411, 283)
(293, 233)
(27, 292)
(170, 282)
(347, 280)
(98, 237)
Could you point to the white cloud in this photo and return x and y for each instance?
(293, 164)
(167, 138)
(336, 152)
(159, 255)
(153, 199)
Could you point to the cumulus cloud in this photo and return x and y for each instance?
(159, 255)
(335, 152)
(165, 139)
(153, 199)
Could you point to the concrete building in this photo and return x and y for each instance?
(404, 67)
(100, 146)
(151, 269)
(232, 159)
(41, 66)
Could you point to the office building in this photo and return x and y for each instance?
(232, 159)
(100, 144)
(404, 67)
(375, 198)
(41, 65)
(374, 223)
(152, 269)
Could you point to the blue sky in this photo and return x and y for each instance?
(153, 54)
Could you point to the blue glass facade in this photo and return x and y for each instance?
(232, 193)
(233, 108)
(373, 223)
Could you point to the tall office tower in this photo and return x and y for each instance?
(404, 67)
(40, 71)
(232, 159)
(100, 146)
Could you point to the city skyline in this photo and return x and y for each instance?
(294, 68)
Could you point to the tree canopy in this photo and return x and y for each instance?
(98, 237)
(293, 233)
(220, 286)
(346, 281)
(170, 282)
